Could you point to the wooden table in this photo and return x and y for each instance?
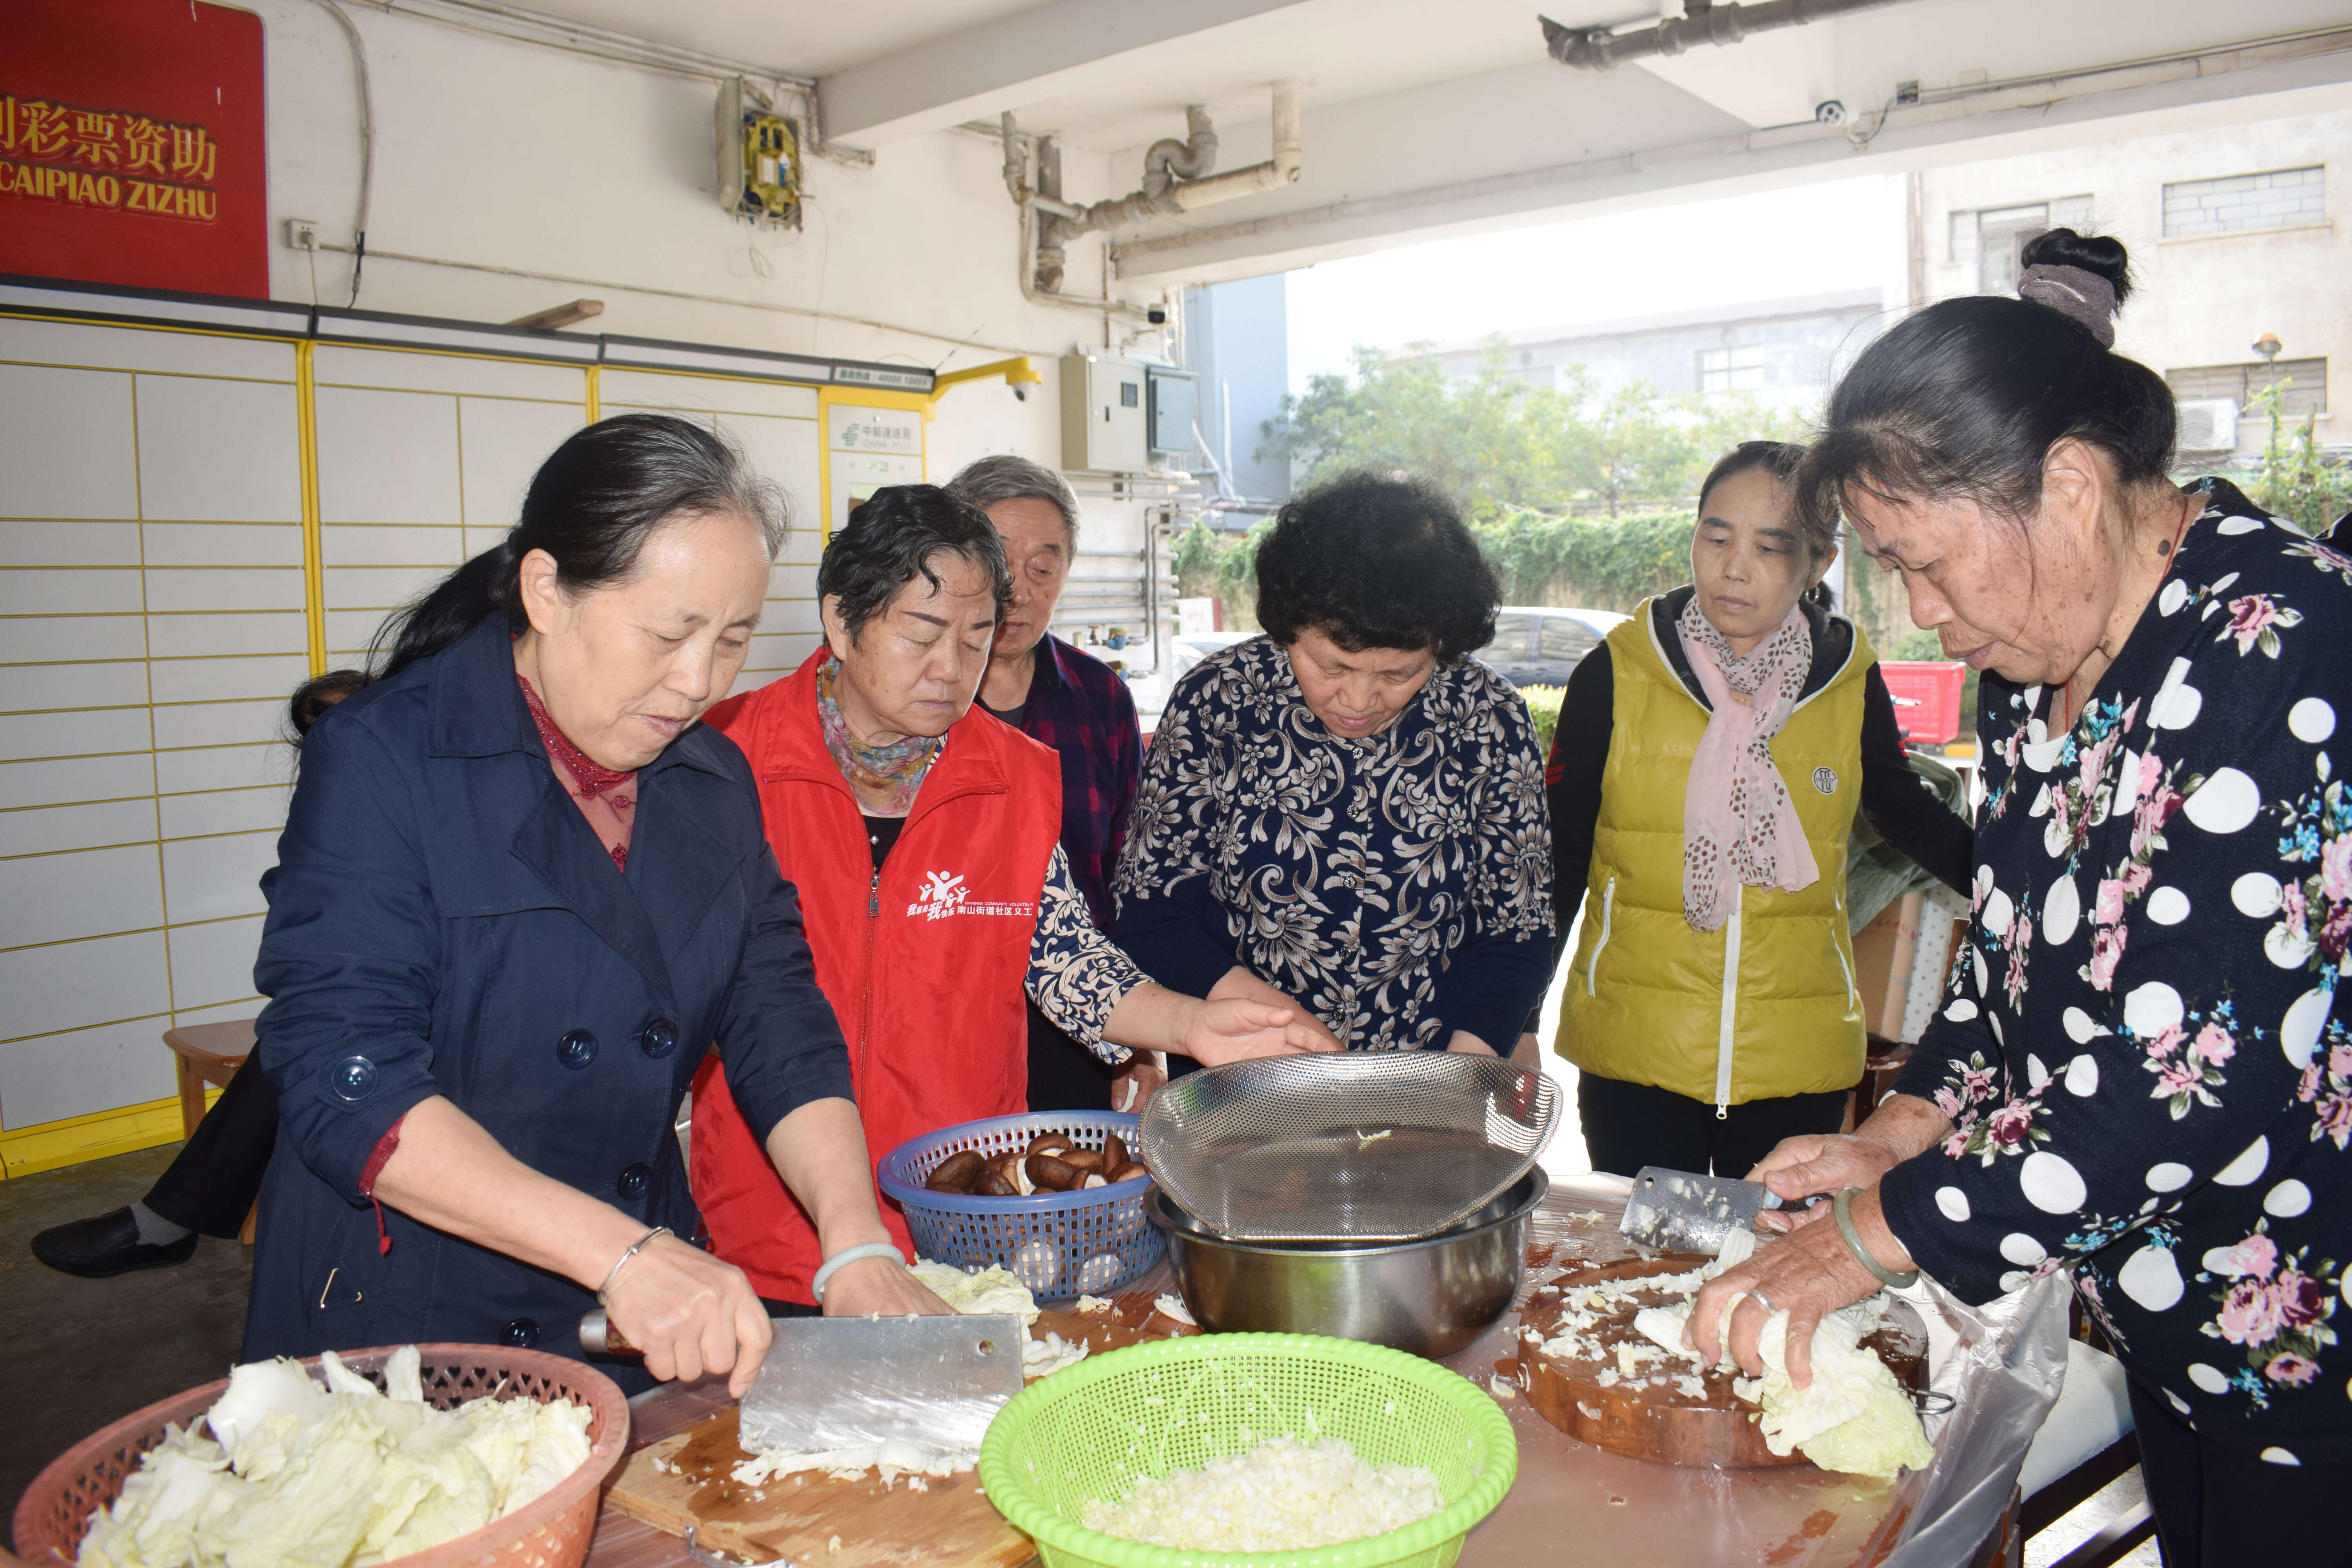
(1624, 1512)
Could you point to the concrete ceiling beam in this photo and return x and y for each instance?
(978, 73)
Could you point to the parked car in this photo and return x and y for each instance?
(1185, 652)
(1539, 645)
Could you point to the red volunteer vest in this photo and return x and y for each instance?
(926, 965)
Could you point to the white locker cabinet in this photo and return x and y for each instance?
(152, 624)
(189, 517)
(1103, 415)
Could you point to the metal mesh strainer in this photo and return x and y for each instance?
(1356, 1146)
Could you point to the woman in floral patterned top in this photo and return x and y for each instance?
(1347, 815)
(2143, 1069)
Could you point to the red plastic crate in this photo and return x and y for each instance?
(1927, 698)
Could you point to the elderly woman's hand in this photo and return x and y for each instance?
(1812, 1166)
(1810, 1274)
(880, 1285)
(1240, 983)
(1137, 1083)
(1216, 1033)
(1815, 1166)
(689, 1313)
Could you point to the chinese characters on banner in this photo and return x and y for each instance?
(131, 145)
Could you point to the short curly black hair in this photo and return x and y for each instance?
(1377, 561)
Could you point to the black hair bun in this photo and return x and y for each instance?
(2097, 253)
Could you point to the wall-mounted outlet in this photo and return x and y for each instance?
(301, 234)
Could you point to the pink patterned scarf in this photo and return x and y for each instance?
(1737, 824)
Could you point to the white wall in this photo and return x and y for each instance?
(509, 155)
(151, 578)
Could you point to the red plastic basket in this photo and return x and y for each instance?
(551, 1530)
(1927, 698)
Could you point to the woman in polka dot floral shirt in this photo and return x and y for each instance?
(2142, 1072)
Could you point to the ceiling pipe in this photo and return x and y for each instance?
(1176, 179)
(1702, 22)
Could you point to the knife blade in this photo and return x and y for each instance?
(852, 1383)
(1679, 1211)
(847, 1383)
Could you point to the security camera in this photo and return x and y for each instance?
(1830, 111)
(1021, 395)
(1157, 315)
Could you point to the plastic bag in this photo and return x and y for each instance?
(2003, 1365)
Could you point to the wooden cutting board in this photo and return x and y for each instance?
(1713, 1429)
(947, 1525)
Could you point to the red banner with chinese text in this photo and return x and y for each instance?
(131, 145)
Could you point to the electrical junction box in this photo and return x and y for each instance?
(759, 158)
(1104, 415)
(1171, 402)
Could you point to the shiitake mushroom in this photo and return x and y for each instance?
(1049, 1174)
(1130, 1170)
(1114, 1152)
(959, 1172)
(1048, 1143)
(1084, 1159)
(993, 1185)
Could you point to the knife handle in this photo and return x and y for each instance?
(599, 1337)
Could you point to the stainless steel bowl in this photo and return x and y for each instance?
(1431, 1297)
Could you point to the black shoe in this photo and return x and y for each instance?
(108, 1245)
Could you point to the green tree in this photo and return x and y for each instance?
(1496, 444)
(2295, 480)
(1483, 441)
(1578, 496)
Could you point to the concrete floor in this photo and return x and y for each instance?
(77, 1354)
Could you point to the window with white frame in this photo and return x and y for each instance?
(1994, 238)
(2244, 204)
(1731, 369)
(2305, 384)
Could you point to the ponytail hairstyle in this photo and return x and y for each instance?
(591, 506)
(1782, 459)
(1965, 399)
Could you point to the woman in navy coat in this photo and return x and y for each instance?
(519, 893)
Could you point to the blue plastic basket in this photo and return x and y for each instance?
(1060, 1245)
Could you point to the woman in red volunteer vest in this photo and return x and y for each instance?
(924, 837)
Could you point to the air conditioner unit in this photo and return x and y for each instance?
(2209, 424)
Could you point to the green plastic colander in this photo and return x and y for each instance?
(1095, 1430)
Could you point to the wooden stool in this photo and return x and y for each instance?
(209, 1053)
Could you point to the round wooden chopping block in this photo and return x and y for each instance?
(1644, 1420)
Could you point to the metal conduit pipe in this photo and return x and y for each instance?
(1280, 170)
(1176, 179)
(1599, 49)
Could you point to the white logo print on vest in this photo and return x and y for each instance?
(944, 893)
(940, 894)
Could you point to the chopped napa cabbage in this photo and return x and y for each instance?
(1853, 1416)
(296, 1476)
(993, 1290)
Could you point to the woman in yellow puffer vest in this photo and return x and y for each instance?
(1710, 758)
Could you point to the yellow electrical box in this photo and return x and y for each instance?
(759, 158)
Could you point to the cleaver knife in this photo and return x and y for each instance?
(1675, 1211)
(851, 1383)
